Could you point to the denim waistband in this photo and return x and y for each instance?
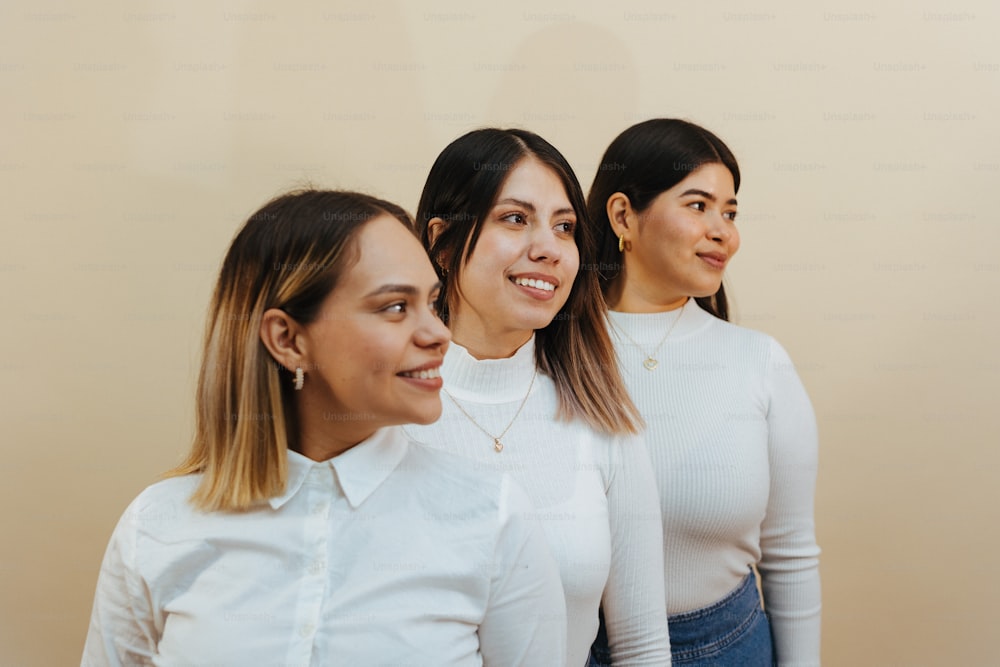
(730, 613)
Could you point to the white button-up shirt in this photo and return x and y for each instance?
(388, 554)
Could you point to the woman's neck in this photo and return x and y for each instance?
(485, 345)
(626, 297)
(324, 434)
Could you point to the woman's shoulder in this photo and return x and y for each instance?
(744, 341)
(739, 332)
(762, 354)
(169, 491)
(162, 508)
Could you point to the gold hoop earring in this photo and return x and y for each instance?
(621, 243)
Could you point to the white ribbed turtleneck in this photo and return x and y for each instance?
(594, 496)
(732, 440)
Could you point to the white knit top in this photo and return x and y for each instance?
(594, 494)
(732, 439)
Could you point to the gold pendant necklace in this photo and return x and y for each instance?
(650, 363)
(497, 439)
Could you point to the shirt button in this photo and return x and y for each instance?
(306, 630)
(317, 567)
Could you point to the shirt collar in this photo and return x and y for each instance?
(298, 469)
(360, 470)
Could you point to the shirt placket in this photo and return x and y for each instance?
(313, 584)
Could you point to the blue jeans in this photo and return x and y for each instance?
(733, 632)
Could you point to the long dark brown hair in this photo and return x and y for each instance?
(643, 161)
(574, 349)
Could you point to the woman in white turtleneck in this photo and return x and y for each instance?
(531, 384)
(731, 432)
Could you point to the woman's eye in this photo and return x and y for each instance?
(399, 307)
(516, 218)
(697, 205)
(730, 216)
(566, 227)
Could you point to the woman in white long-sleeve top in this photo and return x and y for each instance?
(731, 432)
(305, 528)
(532, 386)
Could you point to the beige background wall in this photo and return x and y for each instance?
(137, 136)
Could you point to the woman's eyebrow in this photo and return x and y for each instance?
(707, 195)
(531, 207)
(518, 202)
(398, 288)
(394, 289)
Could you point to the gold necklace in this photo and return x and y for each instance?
(497, 444)
(650, 363)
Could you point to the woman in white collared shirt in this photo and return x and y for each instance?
(304, 527)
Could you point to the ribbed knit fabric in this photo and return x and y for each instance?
(595, 497)
(732, 439)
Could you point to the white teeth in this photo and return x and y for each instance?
(427, 374)
(537, 284)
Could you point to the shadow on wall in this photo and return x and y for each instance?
(568, 79)
(337, 106)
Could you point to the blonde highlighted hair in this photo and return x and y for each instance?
(288, 255)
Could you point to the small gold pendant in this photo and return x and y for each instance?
(650, 364)
(497, 445)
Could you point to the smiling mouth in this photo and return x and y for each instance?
(426, 374)
(537, 284)
(717, 261)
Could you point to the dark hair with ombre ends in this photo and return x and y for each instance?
(644, 161)
(290, 254)
(575, 349)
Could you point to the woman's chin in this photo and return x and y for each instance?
(425, 417)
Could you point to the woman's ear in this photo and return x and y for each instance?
(434, 228)
(283, 337)
(621, 216)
